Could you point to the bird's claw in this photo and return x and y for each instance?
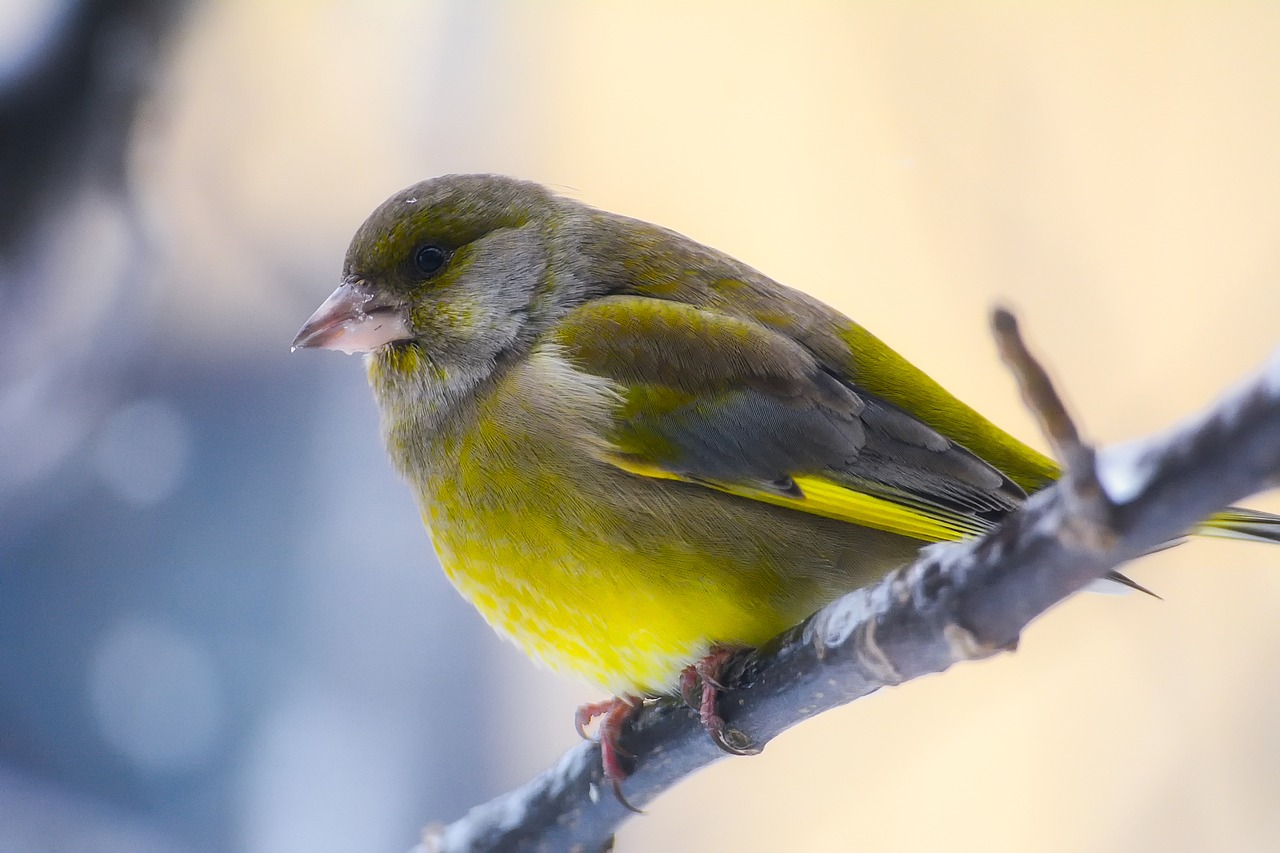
(706, 673)
(613, 714)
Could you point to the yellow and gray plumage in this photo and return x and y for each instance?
(631, 448)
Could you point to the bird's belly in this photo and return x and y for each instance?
(624, 612)
(627, 582)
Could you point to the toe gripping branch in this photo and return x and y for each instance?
(616, 761)
(700, 686)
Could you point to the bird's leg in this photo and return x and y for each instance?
(707, 673)
(613, 713)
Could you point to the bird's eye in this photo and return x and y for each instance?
(429, 259)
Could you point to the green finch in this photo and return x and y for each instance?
(634, 452)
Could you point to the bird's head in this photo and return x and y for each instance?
(444, 273)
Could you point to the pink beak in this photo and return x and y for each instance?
(349, 321)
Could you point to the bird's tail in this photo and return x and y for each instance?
(1236, 522)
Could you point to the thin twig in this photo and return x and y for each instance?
(1092, 521)
(1036, 388)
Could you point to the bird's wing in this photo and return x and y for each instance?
(625, 256)
(730, 404)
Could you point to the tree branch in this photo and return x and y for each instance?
(956, 602)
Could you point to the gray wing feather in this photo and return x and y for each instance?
(749, 436)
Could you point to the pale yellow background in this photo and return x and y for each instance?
(1112, 170)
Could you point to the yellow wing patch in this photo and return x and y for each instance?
(820, 496)
(1236, 522)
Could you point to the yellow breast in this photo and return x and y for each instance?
(590, 570)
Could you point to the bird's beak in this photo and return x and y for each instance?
(351, 320)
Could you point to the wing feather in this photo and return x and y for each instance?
(729, 404)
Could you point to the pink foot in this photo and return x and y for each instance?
(613, 713)
(707, 672)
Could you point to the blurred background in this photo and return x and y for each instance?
(221, 624)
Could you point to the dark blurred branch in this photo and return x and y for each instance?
(957, 602)
(66, 119)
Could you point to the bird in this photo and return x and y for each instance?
(636, 455)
